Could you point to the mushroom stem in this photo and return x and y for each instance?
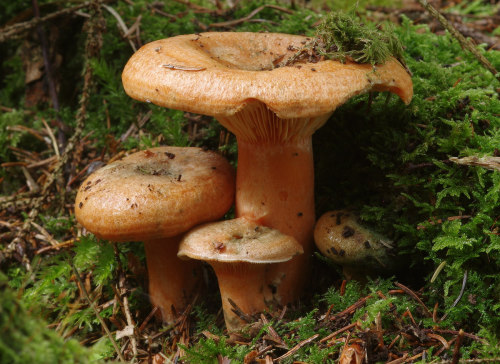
(172, 281)
(248, 298)
(275, 188)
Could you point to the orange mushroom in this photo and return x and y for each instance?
(240, 252)
(340, 236)
(273, 111)
(155, 196)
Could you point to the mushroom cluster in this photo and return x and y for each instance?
(155, 196)
(273, 111)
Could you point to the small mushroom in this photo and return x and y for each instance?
(360, 251)
(240, 252)
(273, 111)
(154, 196)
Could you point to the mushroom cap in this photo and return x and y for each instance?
(156, 193)
(219, 73)
(238, 240)
(340, 237)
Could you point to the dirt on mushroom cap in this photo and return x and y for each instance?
(238, 240)
(237, 68)
(156, 193)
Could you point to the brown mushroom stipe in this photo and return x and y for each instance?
(154, 196)
(272, 111)
(340, 237)
(239, 251)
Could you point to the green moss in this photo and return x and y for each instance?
(24, 338)
(344, 36)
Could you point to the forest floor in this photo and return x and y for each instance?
(426, 175)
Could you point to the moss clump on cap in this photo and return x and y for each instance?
(342, 36)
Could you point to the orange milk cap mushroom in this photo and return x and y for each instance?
(340, 236)
(273, 111)
(239, 251)
(154, 196)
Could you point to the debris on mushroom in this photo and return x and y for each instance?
(360, 251)
(273, 111)
(240, 252)
(142, 198)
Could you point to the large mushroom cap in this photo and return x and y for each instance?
(218, 74)
(238, 240)
(156, 193)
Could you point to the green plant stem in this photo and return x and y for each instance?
(464, 42)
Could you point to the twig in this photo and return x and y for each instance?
(297, 347)
(148, 318)
(274, 335)
(333, 334)
(121, 24)
(454, 332)
(464, 282)
(492, 163)
(65, 244)
(50, 80)
(415, 297)
(93, 46)
(52, 138)
(440, 221)
(12, 30)
(242, 315)
(439, 338)
(249, 16)
(351, 308)
(94, 308)
(464, 43)
(123, 299)
(456, 349)
(399, 360)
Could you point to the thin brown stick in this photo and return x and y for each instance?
(123, 298)
(96, 311)
(93, 46)
(242, 315)
(456, 349)
(234, 22)
(351, 308)
(464, 43)
(297, 347)
(415, 297)
(455, 332)
(8, 32)
(333, 334)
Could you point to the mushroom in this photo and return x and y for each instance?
(239, 251)
(154, 196)
(273, 111)
(360, 251)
